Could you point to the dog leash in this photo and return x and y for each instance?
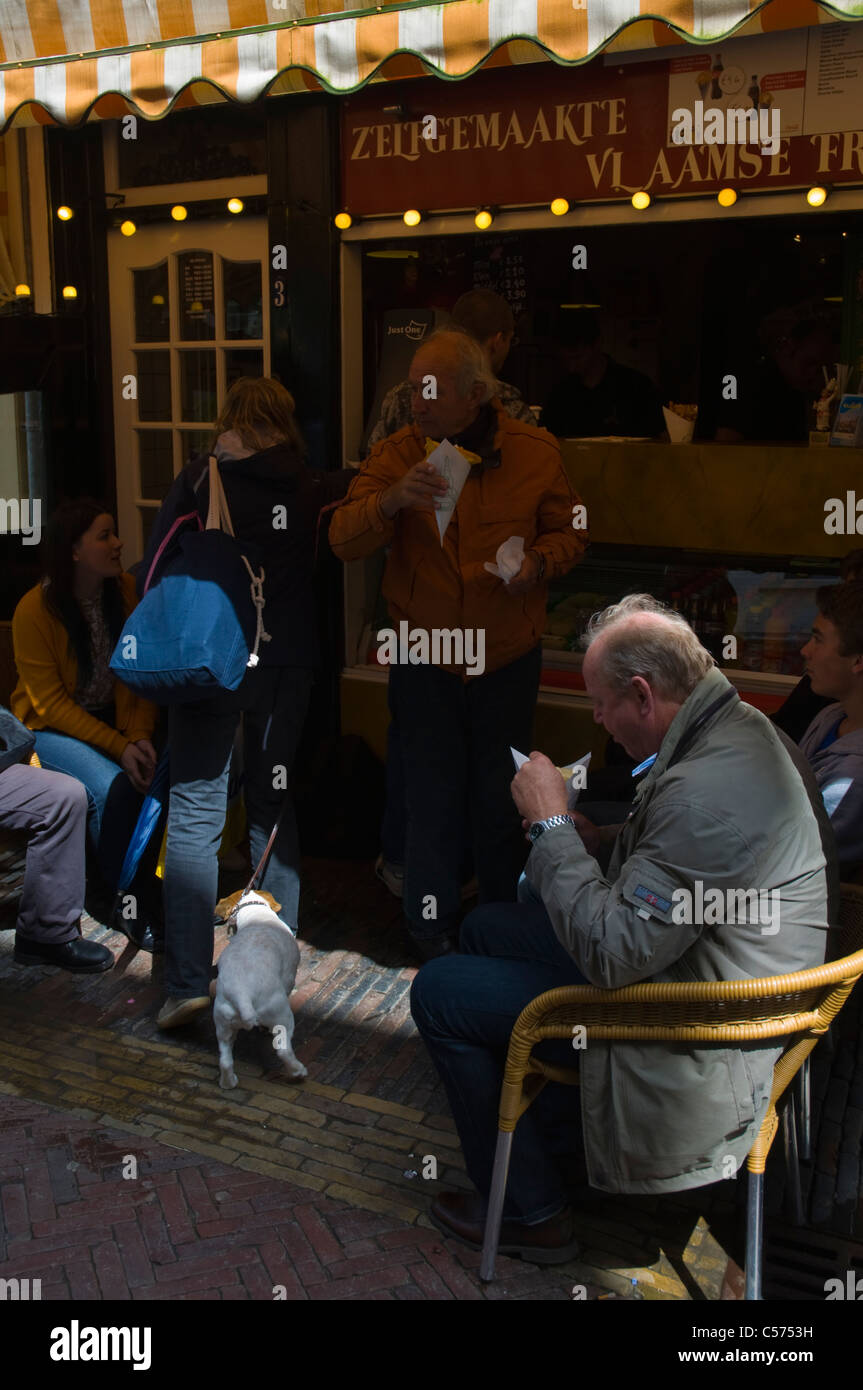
(258, 870)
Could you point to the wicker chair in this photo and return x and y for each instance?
(800, 1007)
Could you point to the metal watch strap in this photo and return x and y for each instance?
(539, 827)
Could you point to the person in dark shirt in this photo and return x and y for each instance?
(599, 396)
(774, 397)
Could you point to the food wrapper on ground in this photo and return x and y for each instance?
(680, 422)
(573, 774)
(508, 560)
(454, 466)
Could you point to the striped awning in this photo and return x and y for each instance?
(67, 60)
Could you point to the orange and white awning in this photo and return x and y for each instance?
(66, 60)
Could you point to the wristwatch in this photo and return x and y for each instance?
(539, 827)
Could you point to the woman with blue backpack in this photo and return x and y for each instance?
(273, 502)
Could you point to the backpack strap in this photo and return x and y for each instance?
(218, 513)
(219, 519)
(189, 516)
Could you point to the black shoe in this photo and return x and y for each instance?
(138, 931)
(430, 947)
(80, 956)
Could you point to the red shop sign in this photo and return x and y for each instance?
(526, 135)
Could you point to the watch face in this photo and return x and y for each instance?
(536, 830)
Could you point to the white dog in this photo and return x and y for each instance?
(257, 971)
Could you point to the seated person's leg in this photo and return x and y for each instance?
(53, 809)
(112, 800)
(465, 1008)
(518, 931)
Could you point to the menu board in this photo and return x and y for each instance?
(197, 296)
(499, 265)
(834, 78)
(745, 74)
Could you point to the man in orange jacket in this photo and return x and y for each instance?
(466, 662)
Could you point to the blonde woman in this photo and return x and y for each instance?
(275, 500)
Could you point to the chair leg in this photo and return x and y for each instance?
(792, 1163)
(754, 1236)
(802, 1092)
(491, 1238)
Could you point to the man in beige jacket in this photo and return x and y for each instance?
(723, 870)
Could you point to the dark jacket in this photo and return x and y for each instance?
(283, 540)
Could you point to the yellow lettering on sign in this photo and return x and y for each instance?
(513, 132)
(361, 132)
(540, 129)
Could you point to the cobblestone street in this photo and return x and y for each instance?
(126, 1173)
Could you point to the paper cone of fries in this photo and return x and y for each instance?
(680, 422)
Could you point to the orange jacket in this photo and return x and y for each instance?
(44, 697)
(445, 586)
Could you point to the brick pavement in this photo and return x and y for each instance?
(125, 1172)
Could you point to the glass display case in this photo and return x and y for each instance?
(753, 613)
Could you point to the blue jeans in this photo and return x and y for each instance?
(273, 701)
(112, 802)
(465, 1007)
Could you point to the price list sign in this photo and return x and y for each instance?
(499, 265)
(197, 295)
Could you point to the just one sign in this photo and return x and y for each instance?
(529, 134)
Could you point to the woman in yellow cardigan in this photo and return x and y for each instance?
(88, 724)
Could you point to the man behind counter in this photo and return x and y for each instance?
(599, 396)
(774, 397)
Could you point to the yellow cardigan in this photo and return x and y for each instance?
(44, 697)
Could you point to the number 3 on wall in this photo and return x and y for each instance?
(279, 293)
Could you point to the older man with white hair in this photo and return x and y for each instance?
(458, 718)
(724, 870)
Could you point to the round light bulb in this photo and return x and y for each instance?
(235, 205)
(343, 220)
(158, 299)
(179, 213)
(641, 200)
(726, 197)
(128, 227)
(483, 219)
(70, 292)
(816, 197)
(22, 291)
(559, 206)
(65, 213)
(412, 218)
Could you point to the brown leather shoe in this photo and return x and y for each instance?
(462, 1214)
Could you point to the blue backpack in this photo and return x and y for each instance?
(199, 623)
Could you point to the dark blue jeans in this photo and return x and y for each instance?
(464, 1007)
(273, 701)
(455, 739)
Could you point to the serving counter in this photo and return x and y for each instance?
(734, 536)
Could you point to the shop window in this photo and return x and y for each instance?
(191, 146)
(242, 295)
(198, 385)
(239, 362)
(152, 304)
(154, 385)
(156, 462)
